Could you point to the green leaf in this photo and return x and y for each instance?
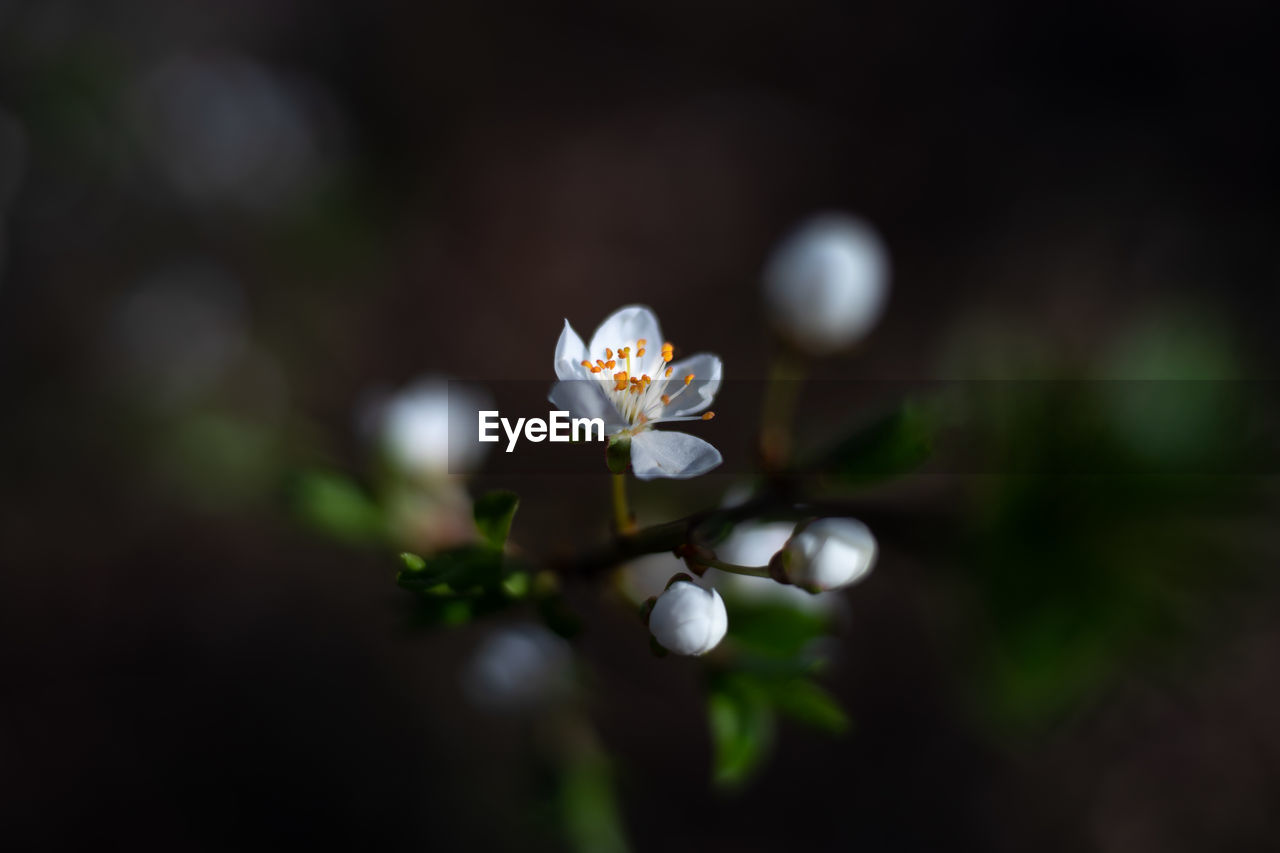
(893, 444)
(805, 702)
(516, 584)
(467, 570)
(337, 506)
(493, 513)
(742, 725)
(412, 562)
(589, 804)
(775, 630)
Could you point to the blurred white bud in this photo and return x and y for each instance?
(829, 553)
(688, 619)
(646, 577)
(518, 669)
(414, 426)
(226, 129)
(826, 284)
(753, 543)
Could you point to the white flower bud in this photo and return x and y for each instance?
(415, 426)
(826, 284)
(519, 668)
(688, 619)
(753, 543)
(829, 553)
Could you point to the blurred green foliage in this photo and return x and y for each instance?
(1098, 542)
(493, 513)
(337, 506)
(771, 657)
(894, 443)
(589, 806)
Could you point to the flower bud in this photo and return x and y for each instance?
(828, 553)
(688, 619)
(414, 427)
(754, 543)
(519, 668)
(826, 284)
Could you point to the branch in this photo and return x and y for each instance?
(708, 527)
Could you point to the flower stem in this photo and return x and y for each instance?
(734, 568)
(623, 522)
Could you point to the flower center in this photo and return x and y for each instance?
(640, 384)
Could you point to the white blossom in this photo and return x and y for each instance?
(826, 284)
(753, 543)
(628, 378)
(688, 619)
(519, 668)
(646, 576)
(829, 553)
(414, 425)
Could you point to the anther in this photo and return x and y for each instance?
(611, 364)
(586, 363)
(666, 399)
(608, 353)
(688, 379)
(668, 373)
(640, 352)
(706, 416)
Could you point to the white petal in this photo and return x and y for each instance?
(831, 552)
(707, 371)
(753, 543)
(719, 623)
(827, 283)
(671, 454)
(429, 426)
(570, 353)
(584, 398)
(623, 328)
(688, 619)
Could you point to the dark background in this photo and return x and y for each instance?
(224, 224)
